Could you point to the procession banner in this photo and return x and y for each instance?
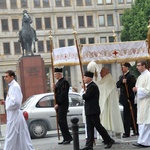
(102, 53)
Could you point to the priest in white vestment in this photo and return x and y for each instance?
(142, 88)
(109, 103)
(17, 134)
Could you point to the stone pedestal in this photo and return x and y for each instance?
(31, 75)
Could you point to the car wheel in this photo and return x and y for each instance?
(38, 129)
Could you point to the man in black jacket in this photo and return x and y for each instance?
(127, 80)
(62, 102)
(92, 112)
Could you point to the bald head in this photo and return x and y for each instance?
(104, 72)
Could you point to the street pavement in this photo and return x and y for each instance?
(50, 142)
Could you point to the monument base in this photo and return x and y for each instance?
(31, 75)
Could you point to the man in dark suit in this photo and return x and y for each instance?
(128, 79)
(92, 112)
(62, 102)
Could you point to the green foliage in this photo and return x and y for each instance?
(135, 21)
(134, 71)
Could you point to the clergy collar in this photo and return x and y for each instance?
(126, 72)
(89, 82)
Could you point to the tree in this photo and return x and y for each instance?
(135, 21)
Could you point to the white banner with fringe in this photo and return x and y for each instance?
(102, 53)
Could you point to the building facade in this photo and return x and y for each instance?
(94, 21)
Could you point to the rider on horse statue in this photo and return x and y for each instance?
(20, 37)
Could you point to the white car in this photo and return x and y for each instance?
(40, 115)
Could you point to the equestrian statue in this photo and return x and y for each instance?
(27, 35)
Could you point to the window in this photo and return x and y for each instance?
(129, 1)
(4, 24)
(110, 20)
(23, 3)
(45, 3)
(82, 41)
(68, 22)
(101, 20)
(2, 4)
(36, 3)
(60, 22)
(99, 1)
(120, 1)
(91, 40)
(6, 47)
(108, 2)
(79, 2)
(58, 3)
(61, 43)
(67, 3)
(40, 46)
(15, 24)
(120, 18)
(47, 101)
(47, 23)
(88, 2)
(111, 39)
(70, 42)
(75, 100)
(13, 4)
(38, 23)
(89, 21)
(17, 48)
(81, 21)
(48, 45)
(103, 40)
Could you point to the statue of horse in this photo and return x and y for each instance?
(27, 35)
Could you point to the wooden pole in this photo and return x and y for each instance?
(51, 54)
(130, 105)
(80, 62)
(127, 92)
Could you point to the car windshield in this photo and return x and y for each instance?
(25, 104)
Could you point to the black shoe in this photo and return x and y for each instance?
(67, 142)
(36, 39)
(104, 142)
(139, 145)
(61, 142)
(109, 145)
(135, 134)
(87, 148)
(125, 136)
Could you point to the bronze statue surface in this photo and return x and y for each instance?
(27, 35)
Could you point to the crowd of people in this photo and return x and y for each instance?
(101, 108)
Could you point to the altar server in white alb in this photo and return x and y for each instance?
(109, 103)
(17, 134)
(142, 88)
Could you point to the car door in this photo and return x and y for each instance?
(75, 108)
(46, 110)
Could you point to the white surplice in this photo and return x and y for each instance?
(109, 105)
(143, 107)
(17, 134)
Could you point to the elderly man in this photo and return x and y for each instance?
(92, 112)
(142, 88)
(62, 103)
(109, 103)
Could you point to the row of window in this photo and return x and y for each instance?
(58, 3)
(62, 43)
(63, 22)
